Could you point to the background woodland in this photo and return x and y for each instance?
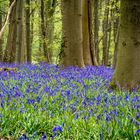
(34, 32)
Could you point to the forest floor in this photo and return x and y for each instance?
(39, 102)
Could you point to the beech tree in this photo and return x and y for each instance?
(19, 38)
(72, 31)
(87, 55)
(77, 21)
(128, 59)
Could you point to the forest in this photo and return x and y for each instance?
(69, 69)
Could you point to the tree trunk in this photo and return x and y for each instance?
(50, 10)
(127, 72)
(87, 56)
(24, 37)
(43, 31)
(96, 29)
(105, 34)
(28, 37)
(91, 32)
(116, 39)
(1, 42)
(72, 30)
(19, 39)
(109, 56)
(109, 44)
(116, 26)
(10, 50)
(32, 15)
(7, 18)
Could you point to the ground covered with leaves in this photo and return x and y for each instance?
(39, 102)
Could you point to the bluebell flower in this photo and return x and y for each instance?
(131, 120)
(38, 99)
(68, 92)
(137, 123)
(24, 137)
(101, 135)
(57, 129)
(84, 102)
(126, 98)
(107, 117)
(138, 116)
(34, 134)
(137, 132)
(21, 109)
(44, 137)
(30, 101)
(76, 116)
(2, 104)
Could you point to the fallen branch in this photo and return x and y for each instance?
(7, 18)
(5, 69)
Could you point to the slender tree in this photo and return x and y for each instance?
(10, 50)
(1, 42)
(96, 29)
(19, 39)
(109, 56)
(105, 33)
(44, 32)
(32, 17)
(91, 32)
(87, 56)
(28, 32)
(87, 30)
(7, 18)
(50, 11)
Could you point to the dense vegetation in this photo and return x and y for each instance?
(43, 101)
(93, 90)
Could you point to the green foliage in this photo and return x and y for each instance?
(66, 104)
